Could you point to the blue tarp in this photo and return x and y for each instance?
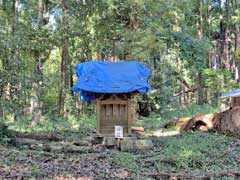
(231, 93)
(111, 77)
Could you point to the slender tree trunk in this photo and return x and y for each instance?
(200, 79)
(200, 89)
(37, 89)
(66, 75)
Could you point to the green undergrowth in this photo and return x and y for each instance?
(165, 115)
(53, 123)
(195, 154)
(199, 150)
(5, 134)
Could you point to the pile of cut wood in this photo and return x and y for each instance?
(226, 121)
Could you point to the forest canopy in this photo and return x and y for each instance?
(191, 46)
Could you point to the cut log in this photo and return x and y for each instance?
(226, 121)
(199, 122)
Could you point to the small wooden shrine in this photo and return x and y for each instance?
(113, 86)
(115, 110)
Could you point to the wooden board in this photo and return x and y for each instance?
(116, 109)
(113, 102)
(98, 114)
(122, 110)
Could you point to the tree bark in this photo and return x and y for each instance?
(200, 89)
(66, 78)
(37, 89)
(200, 76)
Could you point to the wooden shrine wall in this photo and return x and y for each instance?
(114, 112)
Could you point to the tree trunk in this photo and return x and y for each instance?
(37, 89)
(66, 78)
(200, 76)
(200, 89)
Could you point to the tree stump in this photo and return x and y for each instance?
(228, 121)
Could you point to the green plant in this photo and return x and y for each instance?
(126, 160)
(5, 134)
(193, 150)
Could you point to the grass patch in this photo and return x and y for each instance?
(198, 152)
(126, 160)
(194, 150)
(81, 123)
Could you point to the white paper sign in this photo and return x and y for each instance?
(119, 132)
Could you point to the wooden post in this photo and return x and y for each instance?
(98, 114)
(129, 115)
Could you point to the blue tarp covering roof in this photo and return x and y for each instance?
(111, 77)
(231, 93)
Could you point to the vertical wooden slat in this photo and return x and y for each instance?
(133, 106)
(129, 115)
(103, 110)
(115, 109)
(109, 109)
(122, 110)
(98, 105)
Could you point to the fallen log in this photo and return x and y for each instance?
(225, 122)
(199, 122)
(177, 122)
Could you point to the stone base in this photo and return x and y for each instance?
(134, 145)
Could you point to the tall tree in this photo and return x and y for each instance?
(66, 68)
(41, 53)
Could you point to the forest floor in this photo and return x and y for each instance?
(71, 155)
